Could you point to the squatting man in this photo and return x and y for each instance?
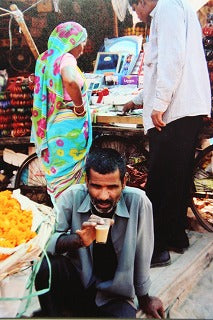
(89, 279)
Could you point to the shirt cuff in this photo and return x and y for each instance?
(160, 105)
(144, 288)
(137, 100)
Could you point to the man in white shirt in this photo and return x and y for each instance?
(175, 98)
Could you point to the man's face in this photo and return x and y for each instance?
(143, 9)
(105, 190)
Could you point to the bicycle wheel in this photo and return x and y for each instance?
(30, 179)
(202, 189)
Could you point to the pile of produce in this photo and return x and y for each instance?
(137, 176)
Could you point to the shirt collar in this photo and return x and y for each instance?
(121, 209)
(153, 12)
(85, 206)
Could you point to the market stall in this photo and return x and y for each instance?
(116, 78)
(17, 96)
(24, 16)
(109, 87)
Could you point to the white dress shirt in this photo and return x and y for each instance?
(176, 79)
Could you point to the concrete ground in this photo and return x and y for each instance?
(199, 303)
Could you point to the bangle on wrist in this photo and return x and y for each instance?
(79, 106)
(79, 113)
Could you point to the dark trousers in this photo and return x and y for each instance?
(67, 296)
(172, 152)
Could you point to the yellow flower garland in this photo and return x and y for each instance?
(15, 223)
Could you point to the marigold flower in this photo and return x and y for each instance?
(15, 223)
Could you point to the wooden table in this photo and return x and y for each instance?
(107, 129)
(129, 119)
(10, 141)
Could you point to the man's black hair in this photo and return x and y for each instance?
(131, 2)
(105, 160)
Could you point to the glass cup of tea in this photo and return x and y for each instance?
(102, 231)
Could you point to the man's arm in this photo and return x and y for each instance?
(66, 243)
(171, 58)
(135, 103)
(151, 306)
(82, 238)
(171, 54)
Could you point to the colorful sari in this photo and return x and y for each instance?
(62, 139)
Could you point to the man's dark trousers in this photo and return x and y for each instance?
(172, 152)
(67, 296)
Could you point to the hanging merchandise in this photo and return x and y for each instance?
(20, 60)
(56, 5)
(120, 8)
(15, 107)
(5, 112)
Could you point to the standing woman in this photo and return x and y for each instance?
(61, 122)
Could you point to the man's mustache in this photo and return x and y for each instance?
(103, 202)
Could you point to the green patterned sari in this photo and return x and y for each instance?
(62, 139)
